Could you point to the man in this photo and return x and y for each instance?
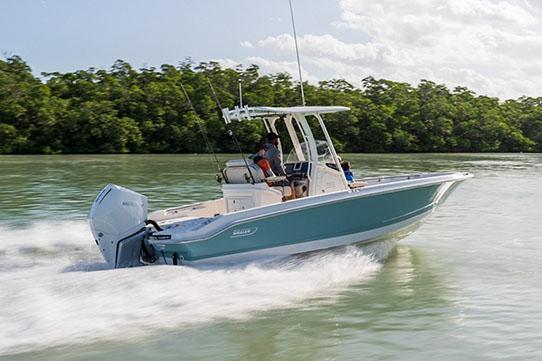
(272, 154)
(260, 159)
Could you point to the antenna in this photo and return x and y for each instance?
(240, 94)
(297, 55)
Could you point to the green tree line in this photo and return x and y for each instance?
(127, 110)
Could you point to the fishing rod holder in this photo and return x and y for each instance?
(239, 113)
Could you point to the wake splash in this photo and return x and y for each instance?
(49, 299)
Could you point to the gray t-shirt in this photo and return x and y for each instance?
(272, 154)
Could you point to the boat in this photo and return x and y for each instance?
(256, 217)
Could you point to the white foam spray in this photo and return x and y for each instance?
(56, 290)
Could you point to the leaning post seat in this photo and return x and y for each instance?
(239, 192)
(236, 172)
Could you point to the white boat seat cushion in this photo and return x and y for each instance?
(237, 173)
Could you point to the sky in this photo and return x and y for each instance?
(493, 47)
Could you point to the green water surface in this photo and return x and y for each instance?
(466, 286)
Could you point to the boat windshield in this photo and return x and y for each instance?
(324, 154)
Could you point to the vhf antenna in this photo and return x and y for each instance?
(240, 93)
(297, 55)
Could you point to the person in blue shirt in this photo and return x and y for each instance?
(347, 172)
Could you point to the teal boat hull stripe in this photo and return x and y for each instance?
(392, 232)
(349, 216)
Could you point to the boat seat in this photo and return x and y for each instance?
(236, 172)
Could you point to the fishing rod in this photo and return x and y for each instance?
(203, 133)
(230, 131)
(297, 54)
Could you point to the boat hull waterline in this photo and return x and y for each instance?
(386, 207)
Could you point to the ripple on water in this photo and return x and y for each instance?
(466, 285)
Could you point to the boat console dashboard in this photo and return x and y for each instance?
(297, 171)
(300, 170)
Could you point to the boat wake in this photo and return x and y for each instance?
(50, 296)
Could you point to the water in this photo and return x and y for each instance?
(466, 285)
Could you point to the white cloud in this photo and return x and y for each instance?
(268, 66)
(246, 44)
(326, 46)
(488, 45)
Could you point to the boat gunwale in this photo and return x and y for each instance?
(334, 197)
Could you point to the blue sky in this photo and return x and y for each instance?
(69, 34)
(490, 46)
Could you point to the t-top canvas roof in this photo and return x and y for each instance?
(248, 113)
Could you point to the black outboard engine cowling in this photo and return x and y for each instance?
(118, 222)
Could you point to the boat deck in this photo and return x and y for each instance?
(185, 224)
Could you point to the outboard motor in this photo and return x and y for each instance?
(118, 222)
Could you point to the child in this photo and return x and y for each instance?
(347, 172)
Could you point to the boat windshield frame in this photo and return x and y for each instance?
(293, 117)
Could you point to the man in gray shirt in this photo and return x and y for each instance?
(272, 154)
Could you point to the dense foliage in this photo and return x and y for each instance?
(126, 110)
